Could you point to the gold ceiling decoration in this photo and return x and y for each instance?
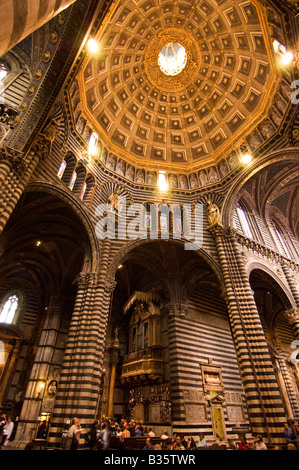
(193, 120)
(188, 75)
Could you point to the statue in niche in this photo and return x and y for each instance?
(232, 160)
(50, 133)
(113, 200)
(193, 181)
(140, 176)
(110, 162)
(183, 182)
(223, 167)
(275, 116)
(203, 178)
(172, 181)
(280, 104)
(130, 173)
(151, 178)
(254, 140)
(81, 125)
(121, 167)
(267, 129)
(213, 177)
(213, 213)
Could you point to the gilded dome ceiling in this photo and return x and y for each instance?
(187, 120)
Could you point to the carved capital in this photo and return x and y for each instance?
(13, 157)
(217, 230)
(110, 284)
(177, 310)
(86, 279)
(292, 315)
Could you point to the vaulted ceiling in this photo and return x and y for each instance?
(225, 92)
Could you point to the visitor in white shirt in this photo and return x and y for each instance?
(7, 432)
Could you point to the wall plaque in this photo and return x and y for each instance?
(195, 413)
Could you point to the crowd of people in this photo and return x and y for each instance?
(99, 436)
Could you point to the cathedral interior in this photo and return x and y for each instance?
(149, 229)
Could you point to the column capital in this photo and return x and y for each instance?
(292, 315)
(217, 230)
(14, 158)
(86, 279)
(110, 284)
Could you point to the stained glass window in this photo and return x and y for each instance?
(73, 180)
(244, 221)
(61, 169)
(83, 190)
(282, 247)
(148, 220)
(9, 309)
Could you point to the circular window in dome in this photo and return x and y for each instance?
(172, 59)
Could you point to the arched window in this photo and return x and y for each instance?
(83, 190)
(61, 169)
(243, 221)
(73, 180)
(8, 311)
(67, 172)
(80, 178)
(281, 243)
(90, 184)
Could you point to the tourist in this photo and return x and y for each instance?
(125, 433)
(178, 445)
(258, 443)
(151, 433)
(290, 433)
(92, 436)
(73, 435)
(138, 431)
(202, 441)
(243, 444)
(165, 435)
(168, 444)
(105, 437)
(191, 444)
(7, 431)
(148, 444)
(184, 442)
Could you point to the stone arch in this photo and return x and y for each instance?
(72, 202)
(257, 265)
(130, 246)
(290, 154)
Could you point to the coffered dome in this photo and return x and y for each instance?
(179, 84)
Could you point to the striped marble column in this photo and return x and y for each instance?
(292, 317)
(265, 407)
(291, 283)
(31, 408)
(22, 17)
(15, 173)
(177, 404)
(80, 378)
